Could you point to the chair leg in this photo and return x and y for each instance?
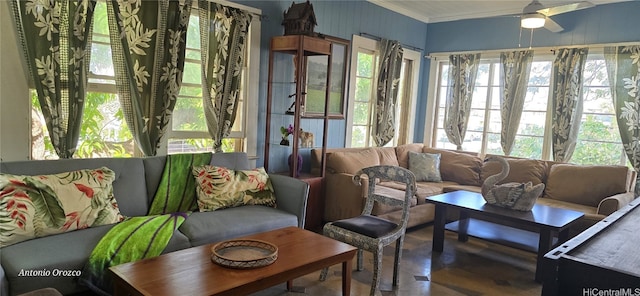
(323, 274)
(396, 260)
(377, 268)
(359, 267)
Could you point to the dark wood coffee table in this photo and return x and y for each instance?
(537, 230)
(191, 271)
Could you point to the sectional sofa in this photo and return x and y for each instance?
(136, 182)
(594, 190)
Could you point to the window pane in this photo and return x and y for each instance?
(601, 153)
(365, 65)
(192, 73)
(202, 145)
(360, 113)
(540, 73)
(482, 79)
(536, 99)
(101, 62)
(193, 32)
(476, 121)
(191, 91)
(479, 99)
(358, 136)
(188, 115)
(493, 144)
(442, 141)
(527, 147)
(532, 123)
(472, 141)
(363, 89)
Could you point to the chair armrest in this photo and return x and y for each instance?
(343, 198)
(291, 195)
(614, 203)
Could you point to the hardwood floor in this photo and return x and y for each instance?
(472, 268)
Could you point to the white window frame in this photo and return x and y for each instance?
(362, 44)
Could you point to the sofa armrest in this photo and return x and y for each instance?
(291, 195)
(614, 203)
(343, 198)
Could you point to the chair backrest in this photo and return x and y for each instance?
(388, 173)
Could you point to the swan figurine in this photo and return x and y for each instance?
(517, 196)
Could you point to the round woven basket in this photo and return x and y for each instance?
(244, 253)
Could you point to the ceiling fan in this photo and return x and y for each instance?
(535, 15)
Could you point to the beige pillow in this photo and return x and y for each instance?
(461, 168)
(37, 206)
(520, 171)
(585, 185)
(402, 153)
(352, 162)
(220, 187)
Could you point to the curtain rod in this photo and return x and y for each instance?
(436, 55)
(377, 38)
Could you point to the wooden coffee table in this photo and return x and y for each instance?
(191, 271)
(534, 230)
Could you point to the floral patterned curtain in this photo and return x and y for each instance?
(148, 45)
(57, 53)
(383, 129)
(623, 68)
(567, 101)
(223, 38)
(463, 69)
(514, 75)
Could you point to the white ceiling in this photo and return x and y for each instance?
(433, 11)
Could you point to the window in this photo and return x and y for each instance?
(598, 139)
(362, 93)
(104, 132)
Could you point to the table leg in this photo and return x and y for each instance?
(346, 277)
(289, 285)
(438, 228)
(544, 246)
(463, 226)
(563, 236)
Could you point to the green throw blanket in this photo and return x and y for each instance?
(143, 237)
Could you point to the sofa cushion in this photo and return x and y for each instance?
(352, 162)
(220, 187)
(402, 152)
(37, 206)
(520, 171)
(585, 185)
(425, 166)
(387, 156)
(461, 168)
(209, 227)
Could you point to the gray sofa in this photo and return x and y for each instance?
(136, 182)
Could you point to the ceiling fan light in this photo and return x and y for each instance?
(532, 20)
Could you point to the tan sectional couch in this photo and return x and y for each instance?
(596, 191)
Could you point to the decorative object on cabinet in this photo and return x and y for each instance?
(299, 19)
(288, 65)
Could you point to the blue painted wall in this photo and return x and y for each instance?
(611, 23)
(336, 18)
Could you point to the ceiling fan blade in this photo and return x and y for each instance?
(553, 10)
(552, 26)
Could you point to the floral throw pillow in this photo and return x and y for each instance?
(220, 187)
(37, 206)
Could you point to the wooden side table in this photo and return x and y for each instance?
(315, 203)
